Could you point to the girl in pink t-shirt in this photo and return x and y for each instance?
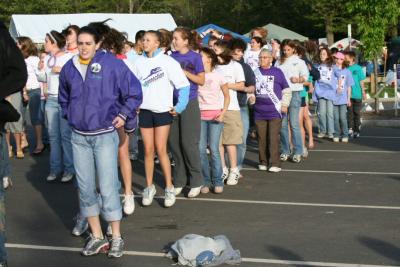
(214, 100)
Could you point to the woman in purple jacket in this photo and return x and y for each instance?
(273, 97)
(98, 94)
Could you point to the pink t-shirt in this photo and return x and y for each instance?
(210, 94)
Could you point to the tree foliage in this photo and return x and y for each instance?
(373, 19)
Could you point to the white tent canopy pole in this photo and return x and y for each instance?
(36, 26)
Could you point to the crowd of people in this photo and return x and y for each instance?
(91, 94)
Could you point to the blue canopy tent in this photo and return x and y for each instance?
(220, 29)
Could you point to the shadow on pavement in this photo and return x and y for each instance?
(381, 247)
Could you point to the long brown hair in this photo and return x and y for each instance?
(28, 48)
(329, 59)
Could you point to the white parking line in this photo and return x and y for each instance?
(379, 137)
(155, 254)
(323, 171)
(354, 151)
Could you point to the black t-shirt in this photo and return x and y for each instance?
(250, 79)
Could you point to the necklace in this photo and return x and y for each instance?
(51, 62)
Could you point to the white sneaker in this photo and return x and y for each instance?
(169, 199)
(296, 158)
(345, 139)
(262, 167)
(7, 182)
(225, 174)
(67, 177)
(274, 169)
(129, 204)
(51, 177)
(148, 195)
(305, 152)
(133, 156)
(321, 135)
(194, 192)
(233, 177)
(178, 190)
(81, 225)
(336, 139)
(284, 157)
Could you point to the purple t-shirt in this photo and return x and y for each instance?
(191, 62)
(265, 108)
(346, 78)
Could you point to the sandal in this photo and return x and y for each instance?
(10, 152)
(20, 155)
(38, 151)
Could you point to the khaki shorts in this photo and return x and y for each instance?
(232, 134)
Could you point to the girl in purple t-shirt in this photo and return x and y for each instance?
(342, 98)
(184, 136)
(273, 96)
(214, 101)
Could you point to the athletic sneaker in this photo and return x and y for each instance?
(345, 140)
(194, 192)
(66, 177)
(225, 174)
(169, 199)
(205, 190)
(336, 139)
(51, 177)
(148, 195)
(330, 136)
(274, 169)
(7, 182)
(129, 204)
(305, 152)
(116, 248)
(178, 190)
(218, 189)
(262, 167)
(284, 157)
(156, 160)
(95, 246)
(351, 133)
(296, 158)
(321, 135)
(81, 225)
(356, 134)
(133, 156)
(233, 177)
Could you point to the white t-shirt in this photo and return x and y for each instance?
(251, 57)
(159, 75)
(294, 66)
(50, 77)
(233, 73)
(32, 64)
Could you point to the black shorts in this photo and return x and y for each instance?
(303, 102)
(149, 119)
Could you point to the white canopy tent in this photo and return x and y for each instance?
(36, 26)
(280, 33)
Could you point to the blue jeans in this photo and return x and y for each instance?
(4, 169)
(241, 149)
(97, 155)
(294, 109)
(60, 139)
(325, 116)
(340, 117)
(35, 107)
(210, 134)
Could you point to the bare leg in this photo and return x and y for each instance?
(124, 161)
(116, 228)
(38, 134)
(301, 123)
(232, 155)
(95, 227)
(308, 125)
(160, 139)
(148, 142)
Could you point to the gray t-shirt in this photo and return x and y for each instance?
(84, 70)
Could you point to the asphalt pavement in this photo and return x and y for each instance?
(339, 207)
